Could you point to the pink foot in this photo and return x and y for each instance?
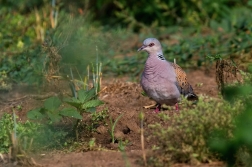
(158, 108)
(176, 107)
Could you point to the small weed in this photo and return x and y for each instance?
(86, 99)
(113, 124)
(20, 146)
(199, 84)
(92, 143)
(97, 118)
(8, 126)
(51, 111)
(83, 145)
(121, 147)
(85, 102)
(19, 107)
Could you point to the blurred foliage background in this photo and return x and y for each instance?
(75, 33)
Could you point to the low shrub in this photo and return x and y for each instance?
(188, 133)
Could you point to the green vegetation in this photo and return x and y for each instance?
(121, 146)
(236, 150)
(97, 118)
(51, 111)
(83, 100)
(20, 130)
(187, 136)
(84, 103)
(162, 13)
(75, 42)
(112, 125)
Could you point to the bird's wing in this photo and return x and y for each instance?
(183, 85)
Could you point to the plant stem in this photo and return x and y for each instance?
(142, 138)
(76, 129)
(122, 146)
(113, 127)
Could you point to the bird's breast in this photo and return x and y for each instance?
(158, 81)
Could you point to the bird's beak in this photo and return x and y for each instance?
(141, 48)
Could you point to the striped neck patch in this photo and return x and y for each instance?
(161, 57)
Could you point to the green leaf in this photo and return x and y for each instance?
(55, 117)
(52, 103)
(91, 103)
(70, 112)
(73, 102)
(85, 95)
(92, 109)
(250, 3)
(35, 114)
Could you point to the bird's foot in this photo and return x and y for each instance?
(156, 111)
(176, 107)
(158, 108)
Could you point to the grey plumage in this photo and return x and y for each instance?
(163, 81)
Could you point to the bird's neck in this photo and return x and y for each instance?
(157, 55)
(154, 62)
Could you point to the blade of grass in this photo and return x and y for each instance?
(113, 127)
(142, 138)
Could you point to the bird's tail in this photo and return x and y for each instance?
(191, 95)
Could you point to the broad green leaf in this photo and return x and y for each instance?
(73, 102)
(85, 95)
(52, 103)
(92, 109)
(91, 103)
(35, 114)
(70, 112)
(55, 117)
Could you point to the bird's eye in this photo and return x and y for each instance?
(151, 44)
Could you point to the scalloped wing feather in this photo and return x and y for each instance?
(183, 85)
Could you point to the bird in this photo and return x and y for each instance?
(161, 80)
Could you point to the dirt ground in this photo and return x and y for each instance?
(120, 97)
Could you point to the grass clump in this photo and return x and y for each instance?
(22, 131)
(189, 132)
(41, 135)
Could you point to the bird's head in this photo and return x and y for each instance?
(151, 45)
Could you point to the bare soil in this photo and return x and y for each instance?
(120, 97)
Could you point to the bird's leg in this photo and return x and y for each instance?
(158, 108)
(176, 107)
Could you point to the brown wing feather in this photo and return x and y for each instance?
(184, 86)
(181, 76)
